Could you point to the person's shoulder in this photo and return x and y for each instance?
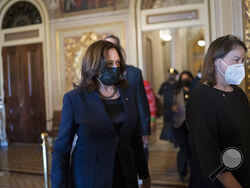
(165, 85)
(238, 89)
(201, 96)
(239, 92)
(74, 93)
(132, 68)
(201, 90)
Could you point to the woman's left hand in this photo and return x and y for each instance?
(146, 183)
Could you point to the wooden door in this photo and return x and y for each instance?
(24, 92)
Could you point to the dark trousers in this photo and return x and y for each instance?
(168, 132)
(146, 154)
(183, 156)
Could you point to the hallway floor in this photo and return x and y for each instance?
(162, 162)
(21, 165)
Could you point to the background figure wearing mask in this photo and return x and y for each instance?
(167, 90)
(218, 116)
(134, 77)
(102, 112)
(179, 122)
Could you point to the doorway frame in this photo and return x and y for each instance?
(142, 25)
(43, 37)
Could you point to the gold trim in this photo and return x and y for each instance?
(58, 60)
(173, 13)
(246, 29)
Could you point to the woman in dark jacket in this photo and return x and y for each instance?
(218, 116)
(101, 111)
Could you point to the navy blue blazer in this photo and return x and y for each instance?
(98, 144)
(134, 78)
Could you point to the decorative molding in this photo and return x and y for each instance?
(172, 17)
(21, 35)
(246, 26)
(39, 37)
(175, 17)
(90, 16)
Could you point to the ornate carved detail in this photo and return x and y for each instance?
(74, 49)
(246, 23)
(21, 14)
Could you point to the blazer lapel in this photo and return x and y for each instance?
(98, 109)
(127, 104)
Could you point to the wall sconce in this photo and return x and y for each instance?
(201, 43)
(165, 35)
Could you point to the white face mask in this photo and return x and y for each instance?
(199, 75)
(234, 74)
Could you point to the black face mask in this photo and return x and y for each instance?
(186, 83)
(171, 78)
(110, 76)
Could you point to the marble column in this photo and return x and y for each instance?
(3, 137)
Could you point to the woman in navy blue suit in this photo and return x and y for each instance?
(101, 111)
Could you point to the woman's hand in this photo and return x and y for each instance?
(175, 108)
(228, 180)
(145, 141)
(146, 183)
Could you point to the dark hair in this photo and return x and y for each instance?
(118, 43)
(218, 49)
(94, 62)
(179, 85)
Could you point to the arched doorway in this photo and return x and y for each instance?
(24, 69)
(162, 15)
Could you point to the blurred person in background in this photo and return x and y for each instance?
(152, 107)
(152, 103)
(167, 91)
(181, 96)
